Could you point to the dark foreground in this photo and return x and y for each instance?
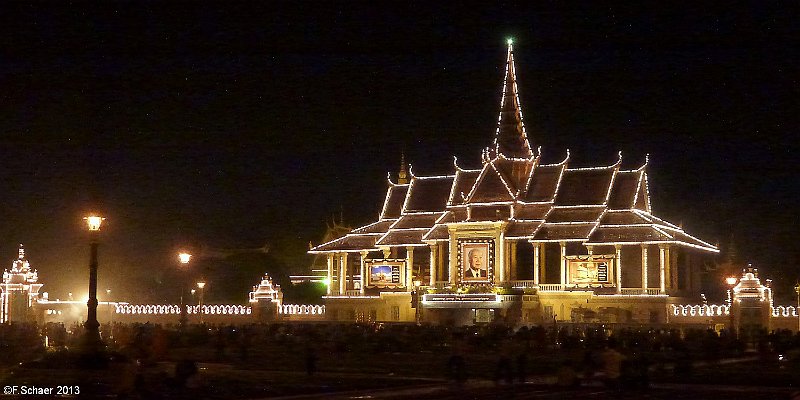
(279, 361)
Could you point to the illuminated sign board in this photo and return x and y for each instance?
(386, 273)
(590, 270)
(449, 297)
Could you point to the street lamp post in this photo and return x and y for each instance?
(184, 259)
(731, 281)
(797, 310)
(93, 341)
(201, 285)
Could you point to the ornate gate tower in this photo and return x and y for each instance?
(18, 290)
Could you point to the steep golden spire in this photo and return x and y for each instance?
(402, 176)
(510, 139)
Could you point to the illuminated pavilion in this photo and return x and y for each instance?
(549, 242)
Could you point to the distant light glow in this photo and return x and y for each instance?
(510, 41)
(731, 280)
(201, 284)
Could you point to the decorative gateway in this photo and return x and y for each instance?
(544, 237)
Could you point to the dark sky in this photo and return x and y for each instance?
(235, 125)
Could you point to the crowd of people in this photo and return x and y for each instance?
(572, 353)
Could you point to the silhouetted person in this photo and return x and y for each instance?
(567, 376)
(184, 370)
(503, 369)
(612, 364)
(219, 344)
(522, 366)
(244, 344)
(311, 360)
(456, 367)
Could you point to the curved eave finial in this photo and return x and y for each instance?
(619, 159)
(389, 179)
(646, 161)
(455, 164)
(411, 172)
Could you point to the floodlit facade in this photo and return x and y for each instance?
(515, 239)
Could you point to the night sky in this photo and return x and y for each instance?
(232, 126)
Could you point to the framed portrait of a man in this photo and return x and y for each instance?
(475, 262)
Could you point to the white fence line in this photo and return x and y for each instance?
(784, 311)
(175, 309)
(301, 309)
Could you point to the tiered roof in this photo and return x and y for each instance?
(539, 202)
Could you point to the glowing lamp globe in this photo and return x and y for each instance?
(201, 285)
(184, 258)
(94, 222)
(730, 280)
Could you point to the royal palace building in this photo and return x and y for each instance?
(516, 240)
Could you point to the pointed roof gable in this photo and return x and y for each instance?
(515, 173)
(428, 194)
(510, 139)
(623, 192)
(642, 199)
(393, 204)
(464, 181)
(585, 186)
(544, 181)
(490, 187)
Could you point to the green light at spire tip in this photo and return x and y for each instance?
(510, 41)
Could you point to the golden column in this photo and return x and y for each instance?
(501, 260)
(433, 261)
(343, 273)
(330, 273)
(410, 268)
(452, 278)
(644, 268)
(663, 256)
(363, 271)
(536, 251)
(618, 251)
(563, 246)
